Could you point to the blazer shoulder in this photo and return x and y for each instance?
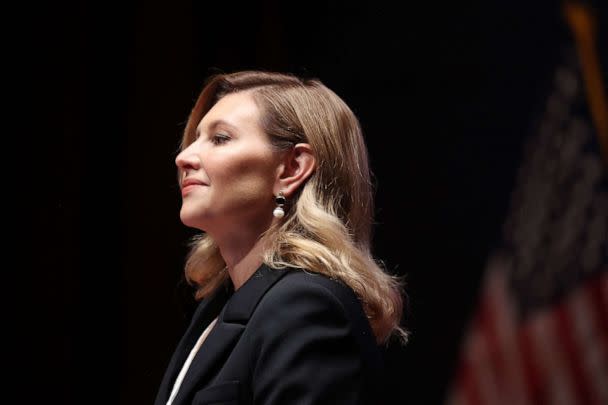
(318, 290)
(304, 281)
(313, 317)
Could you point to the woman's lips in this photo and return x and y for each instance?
(187, 189)
(190, 184)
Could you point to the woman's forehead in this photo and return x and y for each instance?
(233, 110)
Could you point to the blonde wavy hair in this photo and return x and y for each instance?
(327, 225)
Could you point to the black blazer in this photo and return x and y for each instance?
(284, 337)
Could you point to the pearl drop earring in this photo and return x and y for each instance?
(279, 212)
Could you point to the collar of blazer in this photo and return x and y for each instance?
(237, 309)
(244, 301)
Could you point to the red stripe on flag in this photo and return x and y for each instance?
(591, 351)
(466, 384)
(573, 355)
(530, 365)
(598, 296)
(488, 331)
(557, 386)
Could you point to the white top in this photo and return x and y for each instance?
(182, 373)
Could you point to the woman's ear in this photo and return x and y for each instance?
(297, 166)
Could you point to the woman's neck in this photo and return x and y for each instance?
(242, 258)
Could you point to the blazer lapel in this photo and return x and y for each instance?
(206, 311)
(226, 332)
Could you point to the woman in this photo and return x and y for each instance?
(274, 170)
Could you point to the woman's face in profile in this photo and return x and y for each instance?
(229, 171)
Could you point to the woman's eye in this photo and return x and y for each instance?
(218, 139)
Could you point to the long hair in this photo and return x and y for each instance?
(327, 225)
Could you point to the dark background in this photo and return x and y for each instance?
(446, 94)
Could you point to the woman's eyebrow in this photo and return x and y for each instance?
(217, 123)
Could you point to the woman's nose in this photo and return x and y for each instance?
(188, 158)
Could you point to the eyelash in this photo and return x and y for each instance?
(219, 139)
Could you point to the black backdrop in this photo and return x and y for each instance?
(445, 94)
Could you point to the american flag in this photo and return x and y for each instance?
(540, 332)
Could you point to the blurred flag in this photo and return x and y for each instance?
(540, 333)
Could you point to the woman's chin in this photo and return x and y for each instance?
(190, 221)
